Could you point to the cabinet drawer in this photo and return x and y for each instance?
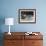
(13, 43)
(33, 37)
(37, 43)
(16, 37)
(33, 43)
(9, 43)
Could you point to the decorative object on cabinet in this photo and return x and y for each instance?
(21, 39)
(9, 21)
(30, 33)
(27, 16)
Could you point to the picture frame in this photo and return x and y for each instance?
(27, 16)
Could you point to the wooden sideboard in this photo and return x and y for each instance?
(20, 39)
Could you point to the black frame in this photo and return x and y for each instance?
(28, 11)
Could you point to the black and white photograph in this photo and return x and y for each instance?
(27, 15)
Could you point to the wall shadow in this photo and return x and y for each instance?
(2, 21)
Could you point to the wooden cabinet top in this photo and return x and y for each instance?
(22, 35)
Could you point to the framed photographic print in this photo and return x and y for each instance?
(27, 16)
